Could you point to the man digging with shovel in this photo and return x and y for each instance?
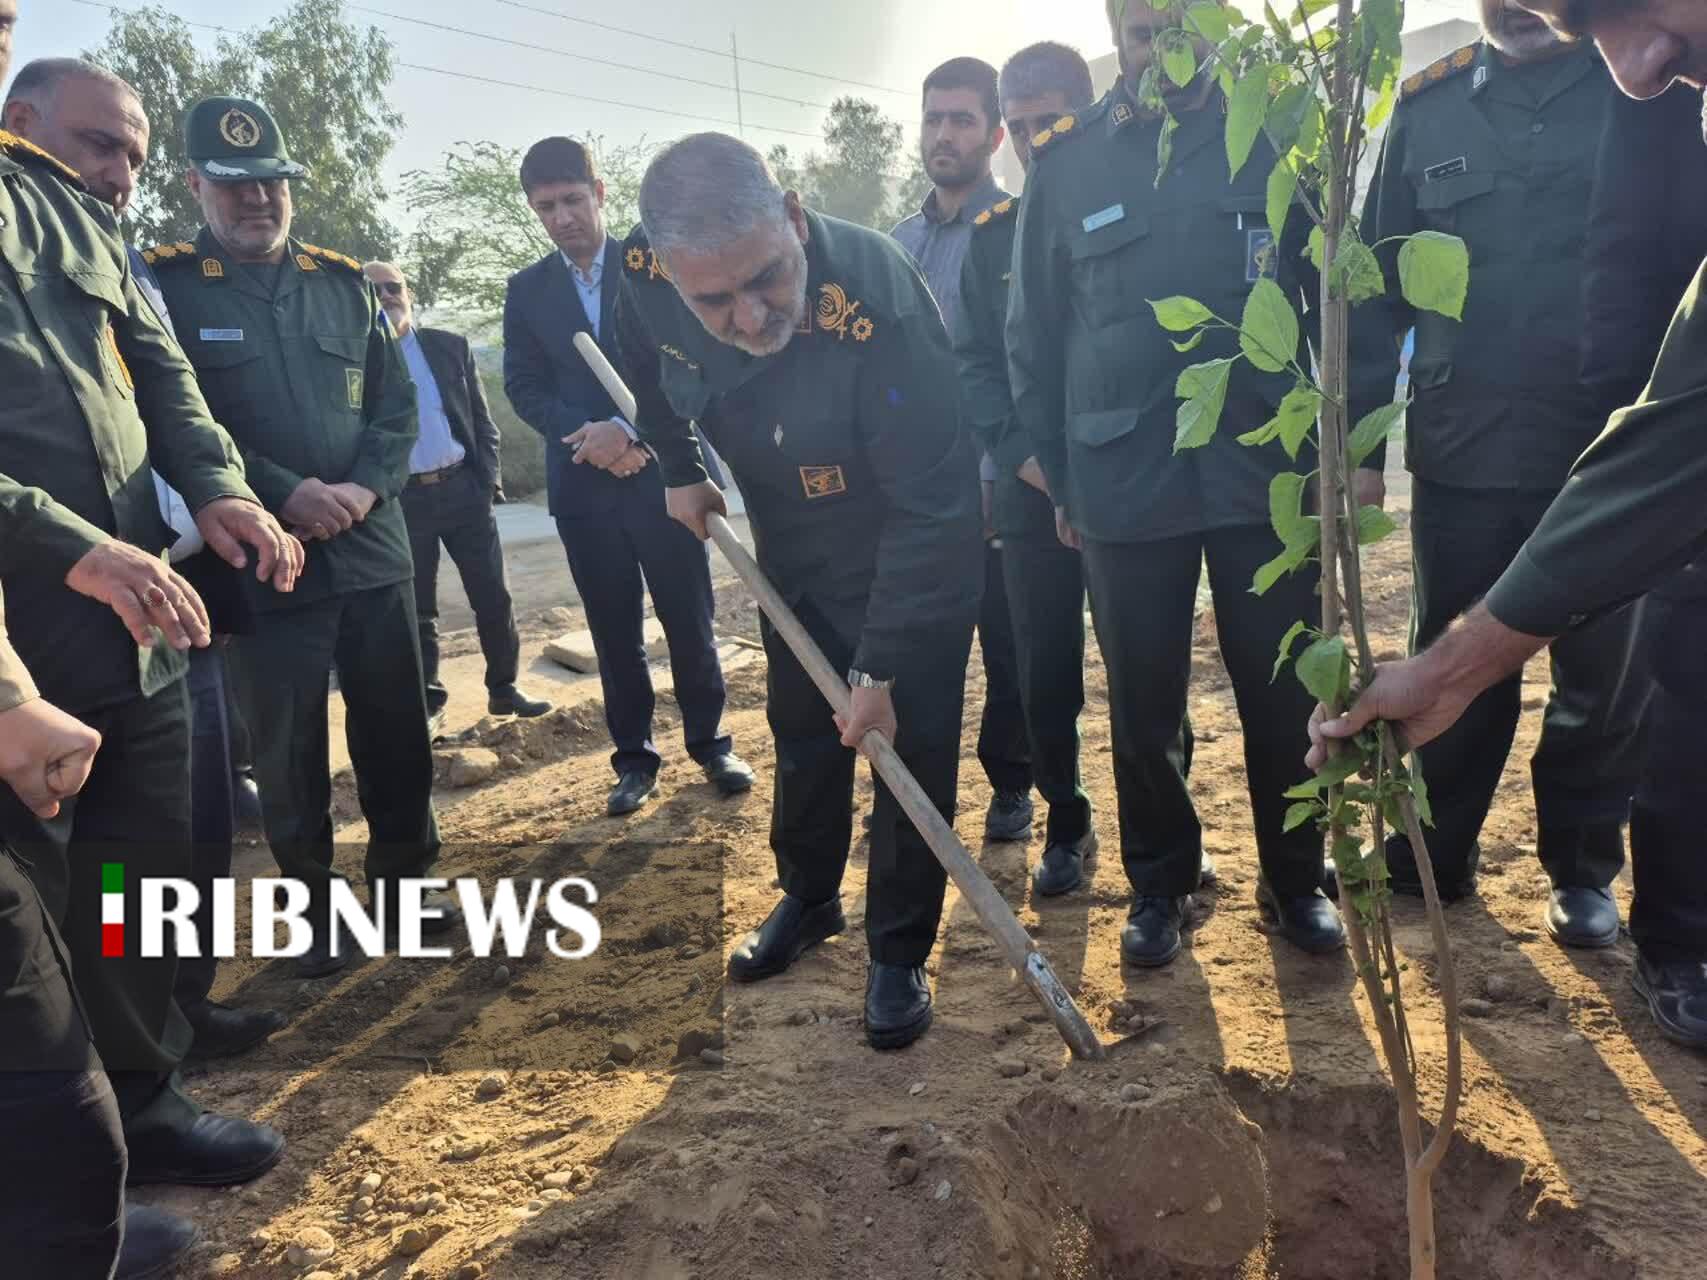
(811, 354)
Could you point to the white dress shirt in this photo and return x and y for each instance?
(590, 286)
(436, 446)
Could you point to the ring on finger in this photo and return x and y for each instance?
(154, 598)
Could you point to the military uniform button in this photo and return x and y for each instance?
(1537, 127)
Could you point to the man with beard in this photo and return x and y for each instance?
(1488, 144)
(961, 130)
(1634, 512)
(297, 359)
(1044, 579)
(1093, 375)
(604, 492)
(812, 355)
(94, 122)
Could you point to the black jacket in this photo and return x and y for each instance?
(452, 361)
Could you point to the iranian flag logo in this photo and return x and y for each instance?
(112, 908)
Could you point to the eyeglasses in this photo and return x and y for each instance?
(390, 288)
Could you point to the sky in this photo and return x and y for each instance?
(878, 49)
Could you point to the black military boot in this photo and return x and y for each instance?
(1308, 921)
(792, 928)
(1151, 937)
(1586, 918)
(897, 1005)
(224, 1032)
(1065, 865)
(154, 1242)
(1675, 987)
(507, 700)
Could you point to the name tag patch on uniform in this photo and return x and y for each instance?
(1259, 255)
(1107, 217)
(222, 335)
(823, 482)
(1446, 169)
(353, 385)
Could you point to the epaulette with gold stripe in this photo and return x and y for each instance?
(333, 256)
(1060, 129)
(1438, 70)
(168, 253)
(26, 152)
(996, 212)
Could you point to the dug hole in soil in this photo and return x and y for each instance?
(635, 1117)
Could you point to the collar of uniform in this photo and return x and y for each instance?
(980, 198)
(215, 264)
(1566, 69)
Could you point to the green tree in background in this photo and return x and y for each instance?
(474, 228)
(865, 173)
(324, 79)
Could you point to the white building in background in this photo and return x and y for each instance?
(1422, 46)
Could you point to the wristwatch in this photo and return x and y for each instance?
(859, 680)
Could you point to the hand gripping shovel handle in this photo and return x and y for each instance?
(1017, 946)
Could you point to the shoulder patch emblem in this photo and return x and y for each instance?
(21, 149)
(169, 253)
(837, 315)
(1059, 129)
(1438, 70)
(329, 255)
(996, 212)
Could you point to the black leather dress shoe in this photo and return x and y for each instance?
(1009, 816)
(632, 790)
(222, 1032)
(1151, 937)
(791, 928)
(507, 700)
(897, 1005)
(1065, 866)
(212, 1151)
(1309, 921)
(730, 774)
(1585, 918)
(154, 1242)
(1675, 988)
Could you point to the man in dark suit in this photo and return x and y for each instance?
(605, 494)
(453, 481)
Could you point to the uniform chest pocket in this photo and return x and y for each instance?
(815, 440)
(97, 298)
(345, 362)
(1108, 267)
(1445, 202)
(1250, 247)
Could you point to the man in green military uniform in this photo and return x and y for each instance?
(1044, 580)
(1634, 512)
(811, 354)
(1093, 378)
(1487, 144)
(295, 356)
(95, 394)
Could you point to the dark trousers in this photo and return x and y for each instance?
(458, 514)
(1046, 597)
(1588, 760)
(615, 559)
(282, 673)
(1668, 914)
(812, 808)
(134, 810)
(213, 821)
(62, 1179)
(1143, 597)
(1003, 747)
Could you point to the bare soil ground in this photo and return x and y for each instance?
(648, 1121)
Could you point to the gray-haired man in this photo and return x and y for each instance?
(810, 353)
